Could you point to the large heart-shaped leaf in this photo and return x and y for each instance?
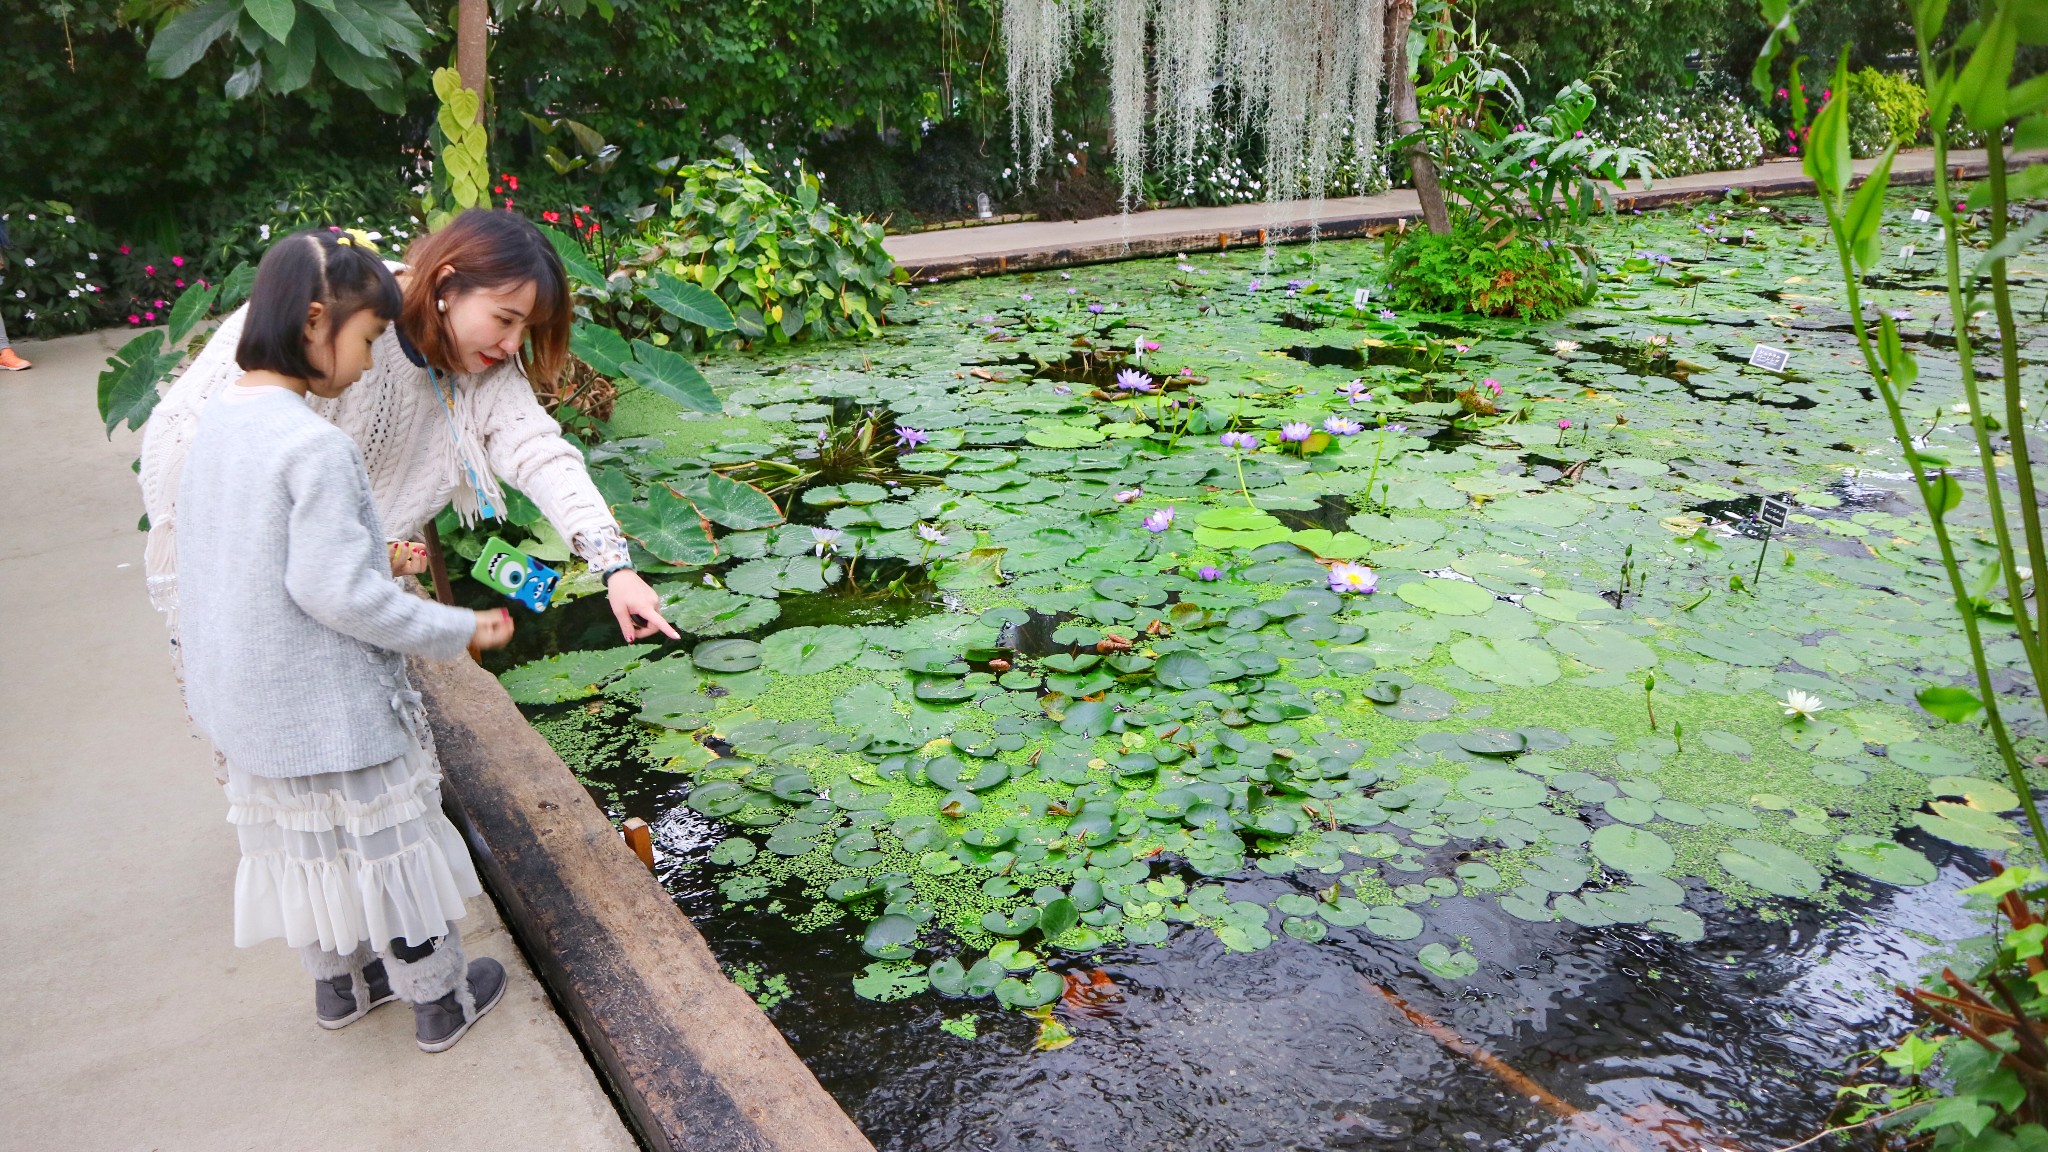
(688, 302)
(669, 374)
(802, 651)
(741, 507)
(669, 527)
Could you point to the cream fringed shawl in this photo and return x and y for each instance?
(395, 417)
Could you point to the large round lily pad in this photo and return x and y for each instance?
(1502, 788)
(727, 656)
(1632, 849)
(1447, 597)
(1779, 871)
(1419, 704)
(1884, 860)
(1514, 663)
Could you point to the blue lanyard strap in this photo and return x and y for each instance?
(483, 500)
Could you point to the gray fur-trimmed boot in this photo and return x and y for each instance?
(447, 991)
(345, 988)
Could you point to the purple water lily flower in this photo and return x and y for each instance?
(1396, 428)
(1341, 426)
(1160, 520)
(1024, 296)
(1386, 313)
(1095, 309)
(1127, 495)
(908, 437)
(1294, 432)
(1242, 441)
(1062, 390)
(1355, 391)
(1132, 380)
(1563, 424)
(1210, 572)
(1254, 285)
(1346, 577)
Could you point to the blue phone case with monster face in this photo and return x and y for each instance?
(516, 574)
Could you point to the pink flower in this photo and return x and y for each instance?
(177, 261)
(134, 319)
(149, 269)
(1563, 424)
(124, 249)
(1492, 385)
(149, 315)
(181, 283)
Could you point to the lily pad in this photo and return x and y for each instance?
(1776, 870)
(1514, 663)
(1447, 597)
(1633, 850)
(727, 656)
(1450, 965)
(1885, 860)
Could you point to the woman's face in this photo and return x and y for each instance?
(486, 326)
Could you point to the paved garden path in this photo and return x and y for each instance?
(130, 1021)
(952, 253)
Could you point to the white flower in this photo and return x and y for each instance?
(92, 255)
(826, 539)
(1801, 704)
(74, 293)
(930, 535)
(29, 260)
(71, 219)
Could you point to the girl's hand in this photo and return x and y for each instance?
(636, 607)
(408, 558)
(493, 629)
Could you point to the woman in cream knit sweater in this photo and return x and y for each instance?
(486, 306)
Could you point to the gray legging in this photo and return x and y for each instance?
(3, 333)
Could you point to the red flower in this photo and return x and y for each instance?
(508, 203)
(578, 219)
(552, 217)
(497, 189)
(124, 249)
(512, 182)
(149, 269)
(586, 208)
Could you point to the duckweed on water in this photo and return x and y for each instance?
(1563, 696)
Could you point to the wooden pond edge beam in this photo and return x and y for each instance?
(691, 1059)
(1347, 227)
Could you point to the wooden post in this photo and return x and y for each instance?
(437, 564)
(472, 40)
(1408, 118)
(640, 838)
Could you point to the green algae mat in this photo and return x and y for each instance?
(1017, 633)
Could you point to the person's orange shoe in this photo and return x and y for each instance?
(11, 360)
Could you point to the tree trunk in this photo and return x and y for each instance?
(1408, 119)
(472, 36)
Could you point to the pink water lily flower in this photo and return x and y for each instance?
(1127, 495)
(1160, 520)
(1210, 572)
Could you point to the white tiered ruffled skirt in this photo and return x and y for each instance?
(342, 858)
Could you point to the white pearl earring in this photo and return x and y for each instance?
(441, 304)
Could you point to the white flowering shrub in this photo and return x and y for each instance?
(1703, 132)
(1228, 167)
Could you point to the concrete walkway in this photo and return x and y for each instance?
(130, 1019)
(954, 253)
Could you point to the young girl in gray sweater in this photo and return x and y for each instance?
(295, 636)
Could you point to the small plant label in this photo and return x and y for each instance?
(1774, 510)
(1906, 253)
(1922, 216)
(1360, 297)
(1770, 359)
(981, 206)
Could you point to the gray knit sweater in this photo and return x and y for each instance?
(294, 632)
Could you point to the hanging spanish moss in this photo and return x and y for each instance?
(1038, 38)
(1305, 75)
(1124, 26)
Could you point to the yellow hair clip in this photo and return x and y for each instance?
(356, 238)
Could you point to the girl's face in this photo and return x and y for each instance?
(486, 326)
(342, 360)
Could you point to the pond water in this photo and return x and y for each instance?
(1054, 781)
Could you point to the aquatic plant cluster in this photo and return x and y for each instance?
(1413, 616)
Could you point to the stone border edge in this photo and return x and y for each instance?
(692, 1060)
(1349, 227)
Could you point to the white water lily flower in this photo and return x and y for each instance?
(826, 539)
(930, 535)
(1804, 705)
(1565, 347)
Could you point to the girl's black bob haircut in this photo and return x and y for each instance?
(320, 265)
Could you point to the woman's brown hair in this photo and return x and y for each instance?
(483, 248)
